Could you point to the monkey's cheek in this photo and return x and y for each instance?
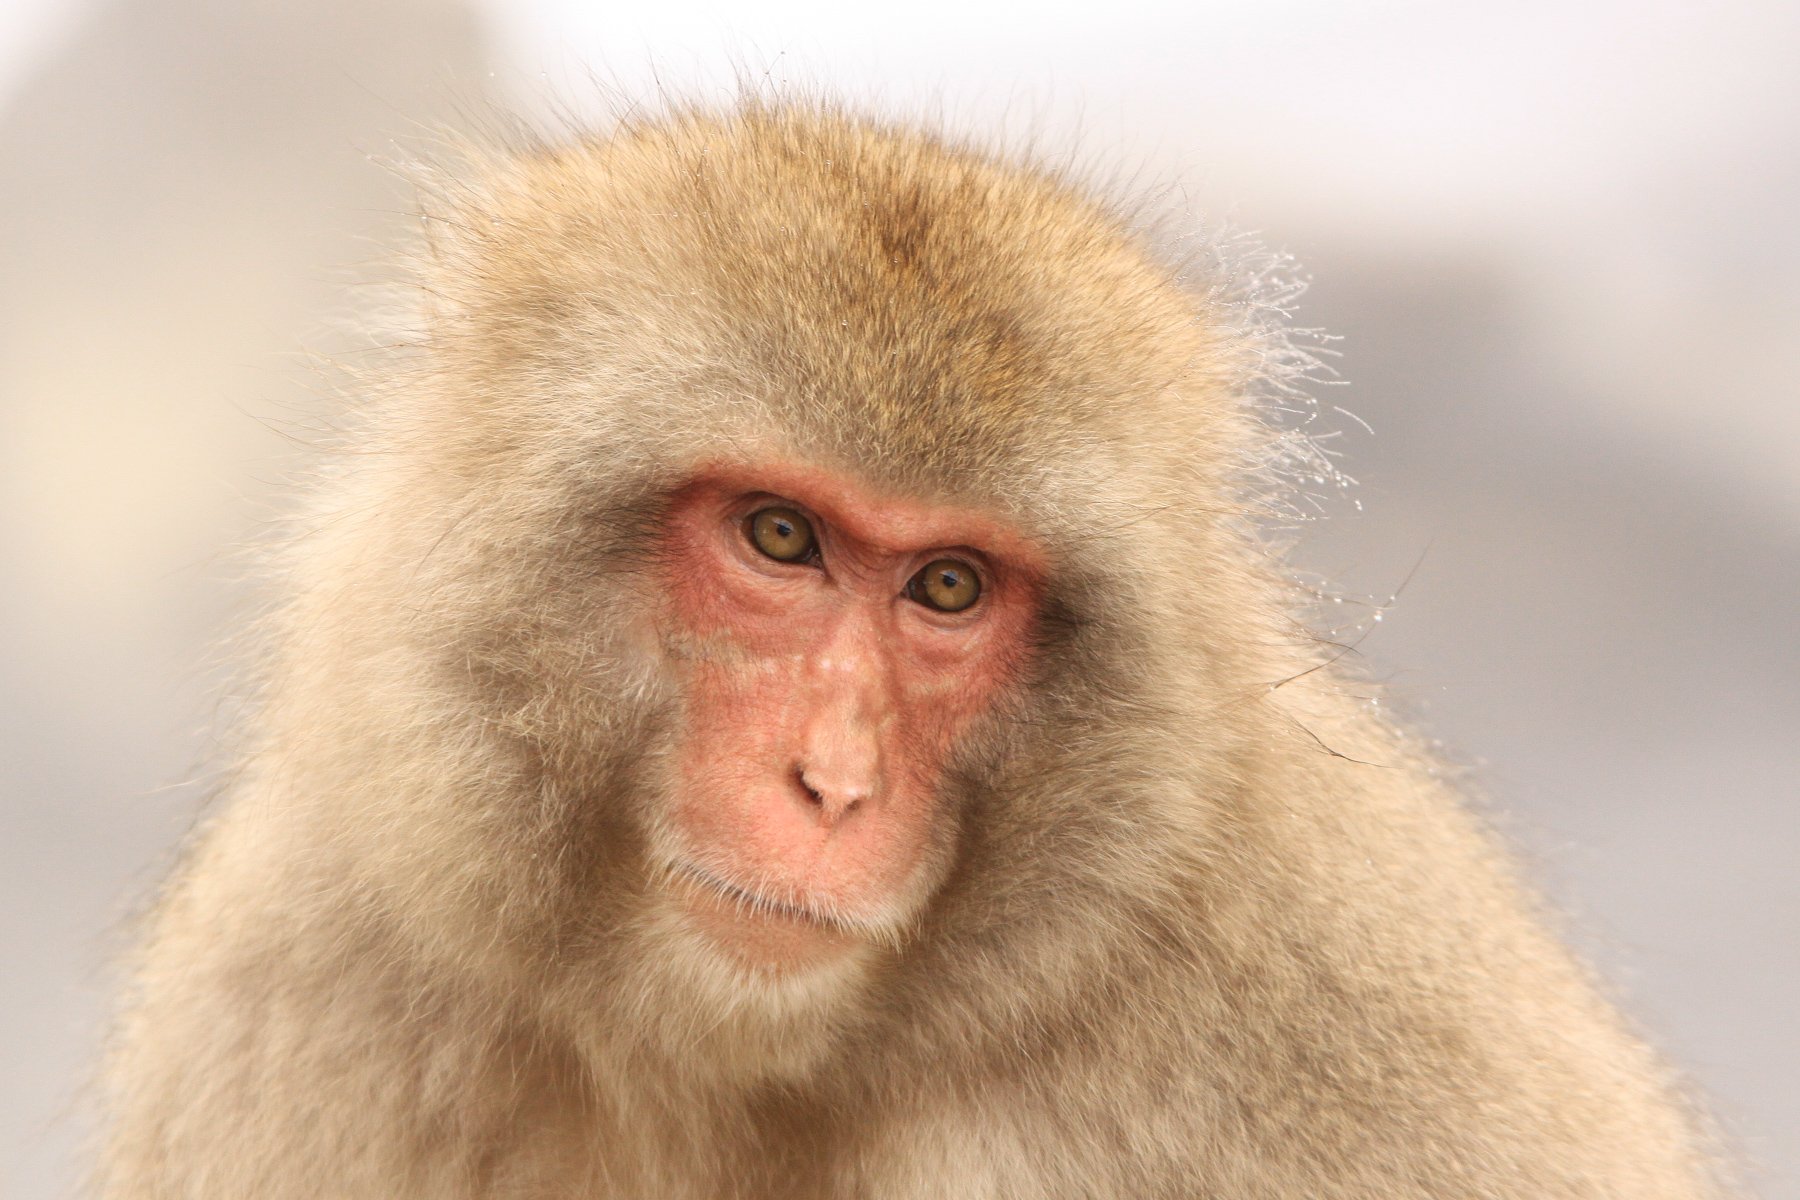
(758, 940)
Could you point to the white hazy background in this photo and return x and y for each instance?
(1560, 241)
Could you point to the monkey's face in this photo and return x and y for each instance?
(832, 646)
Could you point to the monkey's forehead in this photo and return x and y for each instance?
(859, 295)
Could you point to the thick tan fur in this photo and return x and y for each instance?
(1215, 929)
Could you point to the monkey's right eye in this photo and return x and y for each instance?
(782, 534)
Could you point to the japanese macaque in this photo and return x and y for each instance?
(784, 697)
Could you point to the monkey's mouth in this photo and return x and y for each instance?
(758, 931)
(755, 904)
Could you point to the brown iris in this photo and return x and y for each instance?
(782, 534)
(946, 585)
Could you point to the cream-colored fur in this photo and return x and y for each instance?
(1214, 928)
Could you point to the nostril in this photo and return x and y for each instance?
(832, 803)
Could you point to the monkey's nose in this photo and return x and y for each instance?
(831, 795)
(838, 760)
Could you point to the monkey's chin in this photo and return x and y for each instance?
(756, 934)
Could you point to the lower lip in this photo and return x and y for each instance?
(766, 939)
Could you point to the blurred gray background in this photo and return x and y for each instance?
(1560, 242)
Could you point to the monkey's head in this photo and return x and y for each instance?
(780, 511)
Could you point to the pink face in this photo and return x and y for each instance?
(837, 642)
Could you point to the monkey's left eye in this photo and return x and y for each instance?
(782, 534)
(946, 585)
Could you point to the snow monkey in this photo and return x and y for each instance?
(784, 697)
